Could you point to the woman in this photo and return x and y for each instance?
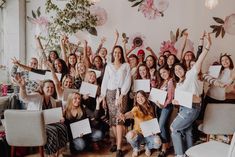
(100, 66)
(227, 76)
(79, 74)
(75, 112)
(188, 81)
(161, 61)
(45, 99)
(115, 86)
(142, 111)
(164, 110)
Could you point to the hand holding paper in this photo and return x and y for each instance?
(150, 127)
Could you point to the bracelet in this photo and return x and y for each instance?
(207, 49)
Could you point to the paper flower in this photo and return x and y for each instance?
(149, 10)
(40, 24)
(135, 36)
(229, 24)
(162, 5)
(167, 46)
(100, 14)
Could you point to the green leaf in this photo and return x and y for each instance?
(33, 14)
(218, 32)
(177, 34)
(218, 20)
(38, 11)
(137, 3)
(222, 32)
(182, 33)
(92, 30)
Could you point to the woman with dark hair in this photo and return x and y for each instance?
(188, 56)
(142, 111)
(115, 86)
(161, 61)
(164, 110)
(100, 66)
(227, 77)
(53, 55)
(188, 81)
(42, 100)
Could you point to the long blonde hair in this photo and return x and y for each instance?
(88, 75)
(69, 107)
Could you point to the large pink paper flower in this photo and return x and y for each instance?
(168, 46)
(149, 10)
(229, 24)
(40, 25)
(100, 14)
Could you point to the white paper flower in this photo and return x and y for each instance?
(229, 24)
(100, 14)
(162, 5)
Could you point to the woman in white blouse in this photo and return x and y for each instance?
(115, 86)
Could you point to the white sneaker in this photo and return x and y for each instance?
(147, 152)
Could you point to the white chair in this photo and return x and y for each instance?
(218, 120)
(213, 149)
(25, 129)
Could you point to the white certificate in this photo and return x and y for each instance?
(49, 76)
(67, 91)
(142, 85)
(214, 70)
(53, 115)
(97, 72)
(36, 77)
(150, 127)
(81, 127)
(88, 88)
(158, 95)
(184, 98)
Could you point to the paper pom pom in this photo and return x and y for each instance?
(100, 14)
(162, 5)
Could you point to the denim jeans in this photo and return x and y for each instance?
(80, 142)
(151, 142)
(164, 115)
(182, 137)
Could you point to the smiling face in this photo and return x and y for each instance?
(72, 60)
(58, 65)
(149, 62)
(117, 54)
(76, 99)
(225, 62)
(103, 52)
(170, 60)
(161, 60)
(91, 77)
(141, 100)
(179, 71)
(188, 56)
(33, 63)
(165, 74)
(68, 83)
(53, 56)
(97, 62)
(48, 89)
(143, 72)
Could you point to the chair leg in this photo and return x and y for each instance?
(207, 137)
(12, 151)
(41, 151)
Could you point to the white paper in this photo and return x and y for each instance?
(142, 85)
(97, 72)
(48, 76)
(53, 115)
(67, 91)
(214, 70)
(33, 106)
(88, 88)
(81, 127)
(158, 95)
(36, 76)
(150, 127)
(184, 98)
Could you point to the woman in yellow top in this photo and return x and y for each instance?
(142, 111)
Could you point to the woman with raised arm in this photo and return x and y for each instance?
(42, 100)
(188, 81)
(115, 86)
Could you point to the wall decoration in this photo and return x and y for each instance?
(100, 14)
(151, 9)
(224, 26)
(168, 46)
(137, 40)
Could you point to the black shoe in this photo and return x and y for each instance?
(119, 153)
(162, 154)
(113, 148)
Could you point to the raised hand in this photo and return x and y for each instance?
(19, 80)
(15, 61)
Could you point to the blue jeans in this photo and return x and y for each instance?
(80, 142)
(182, 137)
(164, 115)
(151, 142)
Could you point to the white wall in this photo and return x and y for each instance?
(190, 14)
